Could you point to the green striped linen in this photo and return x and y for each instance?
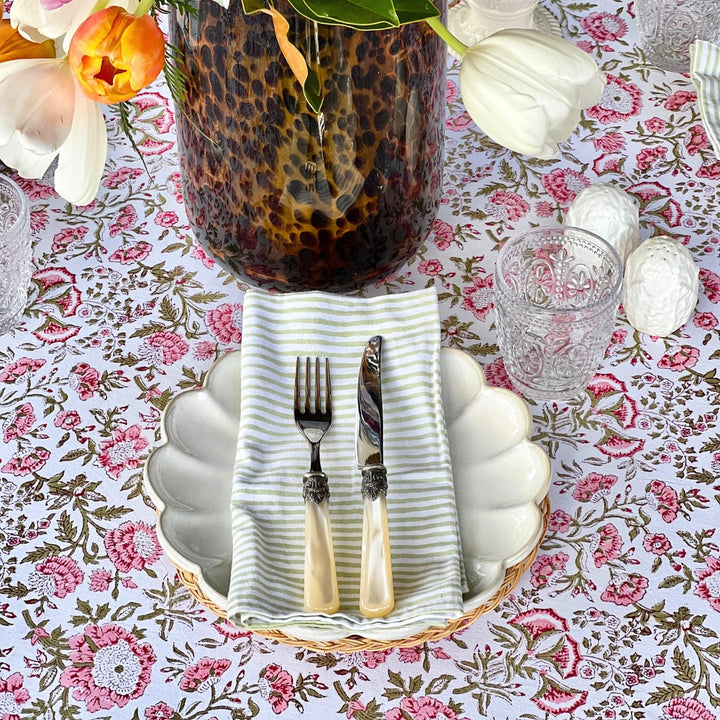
(266, 586)
(705, 74)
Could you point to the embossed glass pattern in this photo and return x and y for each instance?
(667, 28)
(15, 253)
(557, 292)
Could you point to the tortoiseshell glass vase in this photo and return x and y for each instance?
(291, 199)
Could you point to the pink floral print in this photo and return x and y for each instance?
(681, 359)
(546, 568)
(708, 578)
(663, 499)
(225, 322)
(67, 237)
(123, 451)
(67, 419)
(559, 522)
(166, 347)
(564, 185)
(19, 423)
(109, 667)
(656, 543)
(479, 297)
(421, 708)
(508, 206)
(159, 711)
(710, 282)
(621, 100)
(19, 369)
(626, 590)
(120, 177)
(277, 687)
(85, 380)
(687, 709)
(444, 234)
(12, 696)
(594, 487)
(56, 576)
(203, 674)
(604, 26)
(28, 462)
(131, 253)
(133, 546)
(609, 545)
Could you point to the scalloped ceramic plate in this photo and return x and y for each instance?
(500, 477)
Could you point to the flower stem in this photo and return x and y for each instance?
(143, 8)
(447, 36)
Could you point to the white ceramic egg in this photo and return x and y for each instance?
(661, 286)
(608, 212)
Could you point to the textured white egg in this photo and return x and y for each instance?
(608, 212)
(661, 286)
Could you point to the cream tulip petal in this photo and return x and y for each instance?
(34, 20)
(513, 120)
(37, 97)
(28, 164)
(82, 157)
(526, 89)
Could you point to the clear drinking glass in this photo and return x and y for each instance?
(15, 253)
(557, 291)
(667, 28)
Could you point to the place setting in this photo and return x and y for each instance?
(464, 494)
(359, 363)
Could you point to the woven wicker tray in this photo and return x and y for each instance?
(356, 643)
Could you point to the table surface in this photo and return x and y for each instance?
(618, 615)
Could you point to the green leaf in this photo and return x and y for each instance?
(125, 612)
(370, 15)
(311, 90)
(665, 694)
(252, 6)
(438, 685)
(410, 11)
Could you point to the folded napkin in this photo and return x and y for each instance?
(266, 585)
(705, 74)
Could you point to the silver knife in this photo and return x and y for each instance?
(377, 597)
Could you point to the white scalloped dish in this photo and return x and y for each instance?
(500, 477)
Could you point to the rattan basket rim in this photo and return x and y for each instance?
(357, 643)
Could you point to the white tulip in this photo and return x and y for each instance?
(47, 115)
(40, 19)
(526, 89)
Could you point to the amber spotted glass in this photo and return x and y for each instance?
(291, 199)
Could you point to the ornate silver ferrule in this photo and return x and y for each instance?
(374, 481)
(316, 487)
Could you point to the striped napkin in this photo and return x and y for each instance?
(705, 74)
(266, 584)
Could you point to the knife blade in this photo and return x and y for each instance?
(377, 597)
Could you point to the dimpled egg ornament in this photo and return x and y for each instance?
(661, 286)
(608, 212)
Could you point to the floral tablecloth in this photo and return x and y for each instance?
(618, 616)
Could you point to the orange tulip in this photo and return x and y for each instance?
(114, 54)
(13, 46)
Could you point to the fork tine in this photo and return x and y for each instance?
(307, 384)
(297, 384)
(317, 385)
(328, 391)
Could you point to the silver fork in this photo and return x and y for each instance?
(313, 421)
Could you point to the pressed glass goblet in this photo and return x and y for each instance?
(15, 253)
(667, 29)
(557, 291)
